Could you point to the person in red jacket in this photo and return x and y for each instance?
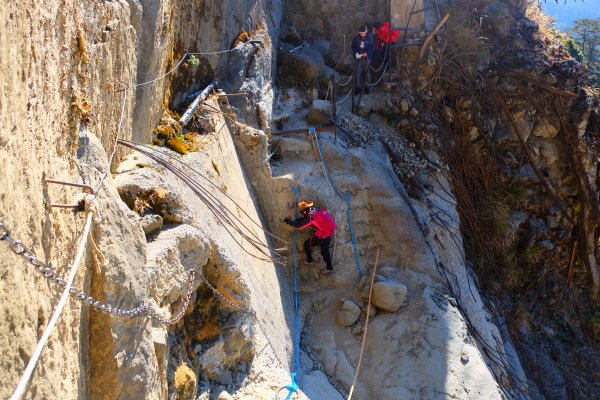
(322, 225)
(385, 38)
(386, 35)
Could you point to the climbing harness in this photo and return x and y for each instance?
(345, 198)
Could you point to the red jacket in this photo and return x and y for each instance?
(321, 222)
(384, 35)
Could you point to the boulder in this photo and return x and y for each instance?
(549, 151)
(325, 76)
(147, 189)
(404, 105)
(348, 314)
(346, 65)
(525, 127)
(302, 66)
(224, 396)
(527, 173)
(320, 112)
(389, 295)
(322, 46)
(226, 353)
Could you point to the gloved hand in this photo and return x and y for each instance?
(357, 56)
(287, 220)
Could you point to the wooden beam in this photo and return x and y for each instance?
(542, 85)
(572, 262)
(429, 37)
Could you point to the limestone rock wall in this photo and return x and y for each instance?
(169, 29)
(69, 70)
(61, 64)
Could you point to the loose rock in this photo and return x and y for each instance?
(389, 295)
(348, 314)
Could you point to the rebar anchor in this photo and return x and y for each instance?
(78, 206)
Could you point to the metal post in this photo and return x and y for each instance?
(353, 84)
(390, 42)
(333, 105)
(185, 118)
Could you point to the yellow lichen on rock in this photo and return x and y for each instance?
(185, 382)
(164, 132)
(178, 145)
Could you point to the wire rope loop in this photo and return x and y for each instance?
(343, 84)
(345, 97)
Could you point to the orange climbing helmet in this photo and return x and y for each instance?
(303, 205)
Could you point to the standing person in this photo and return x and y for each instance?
(377, 56)
(323, 226)
(362, 48)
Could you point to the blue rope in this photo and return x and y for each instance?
(294, 234)
(346, 198)
(291, 388)
(352, 234)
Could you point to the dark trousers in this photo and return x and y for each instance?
(324, 244)
(361, 72)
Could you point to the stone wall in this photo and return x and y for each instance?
(335, 20)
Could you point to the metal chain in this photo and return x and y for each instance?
(223, 298)
(19, 249)
(170, 321)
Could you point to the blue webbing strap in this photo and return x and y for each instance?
(344, 198)
(293, 387)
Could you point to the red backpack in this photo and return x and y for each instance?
(323, 223)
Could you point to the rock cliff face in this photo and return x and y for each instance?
(70, 72)
(466, 209)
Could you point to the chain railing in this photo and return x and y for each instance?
(51, 274)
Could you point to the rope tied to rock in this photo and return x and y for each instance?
(291, 388)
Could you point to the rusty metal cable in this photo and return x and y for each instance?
(224, 216)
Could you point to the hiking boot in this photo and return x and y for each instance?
(311, 262)
(326, 271)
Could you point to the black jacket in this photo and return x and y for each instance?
(369, 45)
